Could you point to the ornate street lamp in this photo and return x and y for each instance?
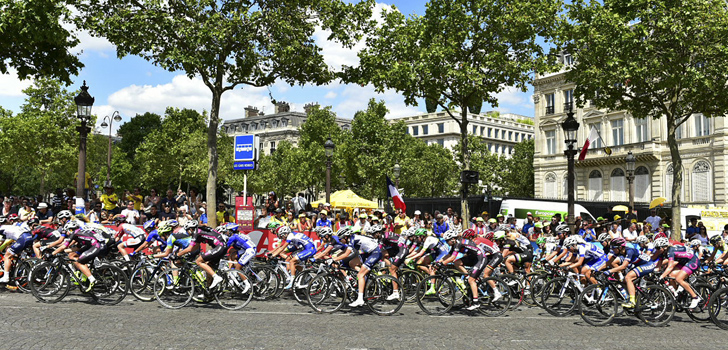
(329, 148)
(630, 160)
(570, 126)
(115, 117)
(396, 171)
(84, 102)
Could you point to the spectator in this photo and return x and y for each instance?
(614, 231)
(194, 201)
(692, 229)
(362, 224)
(654, 220)
(222, 215)
(587, 232)
(110, 200)
(170, 200)
(132, 215)
(26, 212)
(457, 223)
(57, 200)
(479, 227)
(303, 224)
(324, 219)
(271, 203)
(292, 222)
(44, 214)
(417, 221)
(167, 213)
(343, 221)
(202, 218)
(299, 203)
(137, 198)
(181, 198)
(153, 214)
(94, 215)
(440, 226)
(152, 200)
(183, 216)
(630, 233)
(492, 225)
(401, 222)
(8, 207)
(703, 236)
(534, 232)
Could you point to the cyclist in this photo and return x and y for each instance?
(697, 248)
(369, 254)
(290, 242)
(152, 236)
(393, 247)
(243, 247)
(216, 242)
(343, 252)
(718, 244)
(492, 254)
(176, 241)
(21, 238)
(634, 261)
(472, 256)
(328, 241)
(86, 247)
(432, 249)
(128, 236)
(522, 249)
(588, 257)
(46, 237)
(681, 263)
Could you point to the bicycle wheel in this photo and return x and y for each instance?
(21, 272)
(515, 287)
(141, 283)
(655, 306)
(436, 295)
(111, 286)
(233, 293)
(174, 292)
(598, 306)
(377, 295)
(49, 284)
(488, 290)
(718, 308)
(300, 285)
(265, 281)
(700, 313)
(410, 279)
(559, 298)
(536, 287)
(326, 293)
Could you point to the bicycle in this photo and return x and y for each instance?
(51, 281)
(141, 280)
(683, 299)
(559, 296)
(600, 303)
(437, 294)
(329, 290)
(20, 270)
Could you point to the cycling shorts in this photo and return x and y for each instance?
(525, 257)
(644, 269)
(596, 264)
(494, 261)
(213, 256)
(133, 242)
(478, 263)
(691, 266)
(392, 251)
(371, 259)
(244, 256)
(438, 255)
(24, 241)
(398, 259)
(89, 254)
(308, 251)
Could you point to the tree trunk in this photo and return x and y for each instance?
(465, 160)
(676, 177)
(42, 183)
(212, 157)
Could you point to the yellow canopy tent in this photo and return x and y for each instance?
(347, 199)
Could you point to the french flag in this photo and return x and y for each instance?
(590, 140)
(396, 197)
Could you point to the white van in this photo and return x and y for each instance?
(543, 209)
(714, 218)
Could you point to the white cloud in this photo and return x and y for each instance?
(330, 95)
(356, 98)
(11, 85)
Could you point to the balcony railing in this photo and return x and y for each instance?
(568, 106)
(549, 110)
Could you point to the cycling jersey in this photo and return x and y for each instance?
(208, 236)
(297, 240)
(154, 236)
(363, 244)
(434, 245)
(240, 242)
(633, 256)
(131, 231)
(467, 247)
(85, 239)
(180, 240)
(47, 233)
(12, 232)
(680, 253)
(590, 252)
(336, 244)
(512, 246)
(487, 246)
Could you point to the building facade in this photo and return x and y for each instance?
(500, 131)
(601, 177)
(271, 129)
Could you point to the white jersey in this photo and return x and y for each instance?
(12, 232)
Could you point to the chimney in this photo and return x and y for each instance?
(251, 111)
(282, 107)
(310, 106)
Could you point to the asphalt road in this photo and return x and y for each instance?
(78, 323)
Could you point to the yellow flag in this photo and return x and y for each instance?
(608, 151)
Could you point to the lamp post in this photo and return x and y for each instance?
(630, 160)
(396, 171)
(84, 102)
(570, 126)
(115, 117)
(329, 148)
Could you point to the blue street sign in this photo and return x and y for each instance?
(244, 165)
(244, 148)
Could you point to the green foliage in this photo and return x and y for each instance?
(132, 133)
(428, 170)
(518, 180)
(528, 121)
(490, 166)
(34, 42)
(660, 60)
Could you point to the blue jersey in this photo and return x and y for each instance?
(181, 240)
(439, 229)
(336, 244)
(589, 251)
(240, 242)
(154, 236)
(634, 256)
(297, 240)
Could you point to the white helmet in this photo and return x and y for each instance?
(571, 241)
(552, 240)
(192, 224)
(579, 239)
(324, 231)
(409, 232)
(64, 214)
(562, 228)
(662, 242)
(283, 231)
(71, 225)
(449, 234)
(344, 232)
(642, 240)
(695, 243)
(604, 237)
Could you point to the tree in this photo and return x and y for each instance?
(659, 60)
(34, 42)
(459, 53)
(228, 43)
(427, 170)
(490, 165)
(518, 180)
(310, 171)
(132, 133)
(279, 171)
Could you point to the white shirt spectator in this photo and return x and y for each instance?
(629, 235)
(132, 216)
(654, 221)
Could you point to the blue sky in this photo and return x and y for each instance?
(133, 86)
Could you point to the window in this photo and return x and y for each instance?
(549, 104)
(441, 142)
(272, 147)
(475, 130)
(284, 122)
(595, 186)
(497, 148)
(496, 133)
(568, 59)
(510, 135)
(490, 147)
(598, 143)
(415, 130)
(702, 125)
(425, 129)
(489, 131)
(549, 186)
(616, 182)
(642, 184)
(482, 130)
(679, 132)
(253, 126)
(568, 100)
(668, 181)
(700, 184)
(551, 142)
(261, 147)
(617, 132)
(275, 123)
(244, 128)
(642, 129)
(441, 128)
(227, 129)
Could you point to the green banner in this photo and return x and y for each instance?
(545, 215)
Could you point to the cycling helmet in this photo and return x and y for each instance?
(469, 233)
(499, 235)
(12, 217)
(449, 234)
(642, 240)
(282, 231)
(150, 225)
(33, 221)
(325, 231)
(173, 223)
(662, 242)
(660, 235)
(232, 227)
(191, 225)
(716, 240)
(570, 241)
(421, 232)
(222, 229)
(71, 225)
(120, 218)
(344, 232)
(618, 242)
(409, 232)
(164, 227)
(489, 236)
(604, 237)
(695, 243)
(541, 240)
(562, 228)
(3, 219)
(64, 214)
(273, 225)
(374, 229)
(579, 239)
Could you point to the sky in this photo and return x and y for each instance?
(133, 86)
